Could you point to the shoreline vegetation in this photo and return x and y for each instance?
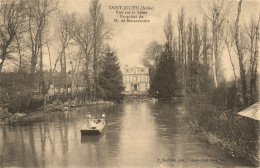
(7, 118)
(227, 145)
(190, 62)
(88, 74)
(234, 134)
(236, 146)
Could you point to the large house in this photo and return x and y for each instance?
(136, 79)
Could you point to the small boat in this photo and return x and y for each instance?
(94, 127)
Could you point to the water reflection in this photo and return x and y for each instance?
(89, 139)
(136, 135)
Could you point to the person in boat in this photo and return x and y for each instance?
(103, 117)
(89, 117)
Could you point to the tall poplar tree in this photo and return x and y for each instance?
(164, 81)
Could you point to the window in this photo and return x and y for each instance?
(127, 78)
(143, 78)
(134, 79)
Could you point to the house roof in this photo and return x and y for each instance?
(58, 79)
(252, 111)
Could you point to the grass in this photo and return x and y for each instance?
(235, 134)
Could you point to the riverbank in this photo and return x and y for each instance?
(235, 134)
(38, 115)
(230, 147)
(138, 98)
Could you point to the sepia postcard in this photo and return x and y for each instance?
(129, 84)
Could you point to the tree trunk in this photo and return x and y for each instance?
(33, 62)
(251, 59)
(240, 56)
(4, 52)
(233, 66)
(95, 65)
(253, 79)
(87, 72)
(20, 54)
(214, 56)
(49, 56)
(179, 46)
(41, 70)
(65, 72)
(2, 59)
(1, 65)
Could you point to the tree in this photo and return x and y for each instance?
(195, 69)
(38, 13)
(229, 41)
(110, 80)
(20, 46)
(12, 18)
(194, 43)
(240, 55)
(99, 33)
(16, 91)
(64, 39)
(181, 29)
(182, 46)
(152, 54)
(189, 41)
(80, 30)
(253, 34)
(215, 12)
(205, 51)
(164, 80)
(77, 64)
(168, 31)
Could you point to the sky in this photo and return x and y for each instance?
(129, 40)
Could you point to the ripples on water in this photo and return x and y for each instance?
(137, 134)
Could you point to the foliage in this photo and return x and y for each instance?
(152, 54)
(163, 82)
(110, 80)
(215, 112)
(12, 19)
(16, 91)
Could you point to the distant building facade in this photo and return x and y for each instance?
(58, 83)
(136, 80)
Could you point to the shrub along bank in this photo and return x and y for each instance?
(214, 116)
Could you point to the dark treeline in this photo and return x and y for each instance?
(193, 56)
(189, 64)
(28, 31)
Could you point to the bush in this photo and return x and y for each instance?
(219, 97)
(16, 91)
(212, 113)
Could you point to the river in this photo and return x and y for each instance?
(137, 134)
